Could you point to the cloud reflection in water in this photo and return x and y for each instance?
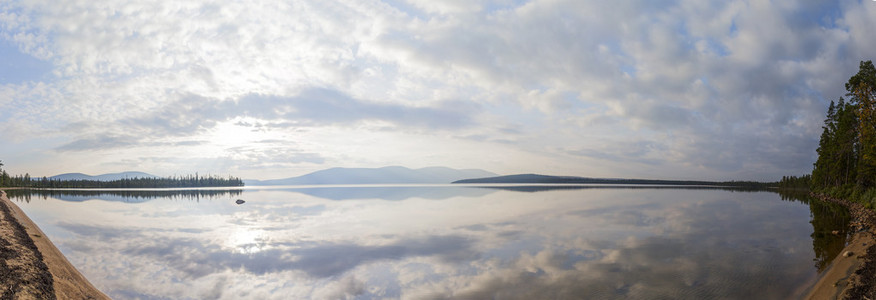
(592, 243)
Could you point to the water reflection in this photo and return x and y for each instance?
(120, 195)
(397, 193)
(830, 226)
(391, 193)
(547, 187)
(475, 243)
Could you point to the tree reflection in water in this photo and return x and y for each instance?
(830, 223)
(27, 195)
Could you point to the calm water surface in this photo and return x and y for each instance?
(440, 242)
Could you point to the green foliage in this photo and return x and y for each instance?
(847, 150)
(5, 179)
(794, 182)
(127, 183)
(862, 90)
(851, 192)
(129, 195)
(168, 182)
(837, 151)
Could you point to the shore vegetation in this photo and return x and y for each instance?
(846, 164)
(187, 181)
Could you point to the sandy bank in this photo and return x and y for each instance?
(848, 276)
(66, 282)
(837, 278)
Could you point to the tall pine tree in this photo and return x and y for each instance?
(847, 150)
(862, 92)
(821, 175)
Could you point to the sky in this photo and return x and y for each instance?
(688, 89)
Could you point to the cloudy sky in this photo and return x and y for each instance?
(683, 89)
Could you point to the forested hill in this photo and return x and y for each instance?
(384, 175)
(189, 181)
(547, 179)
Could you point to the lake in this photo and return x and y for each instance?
(442, 242)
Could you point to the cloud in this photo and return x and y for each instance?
(643, 152)
(333, 260)
(321, 107)
(102, 142)
(256, 157)
(197, 259)
(194, 115)
(665, 264)
(694, 69)
(687, 73)
(347, 288)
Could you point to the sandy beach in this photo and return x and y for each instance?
(33, 267)
(837, 278)
(848, 276)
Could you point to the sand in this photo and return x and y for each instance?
(835, 280)
(847, 277)
(66, 282)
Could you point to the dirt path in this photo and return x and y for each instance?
(31, 266)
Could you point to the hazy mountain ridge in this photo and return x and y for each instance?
(102, 177)
(384, 175)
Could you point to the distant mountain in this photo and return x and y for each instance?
(522, 178)
(103, 177)
(544, 179)
(385, 175)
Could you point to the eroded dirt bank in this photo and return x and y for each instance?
(31, 267)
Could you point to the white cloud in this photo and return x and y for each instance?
(746, 71)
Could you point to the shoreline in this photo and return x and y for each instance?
(850, 274)
(66, 281)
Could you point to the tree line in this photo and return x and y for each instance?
(795, 182)
(123, 195)
(846, 164)
(187, 181)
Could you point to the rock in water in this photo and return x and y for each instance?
(239, 201)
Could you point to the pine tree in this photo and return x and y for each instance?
(862, 90)
(821, 174)
(846, 141)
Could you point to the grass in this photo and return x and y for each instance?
(866, 197)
